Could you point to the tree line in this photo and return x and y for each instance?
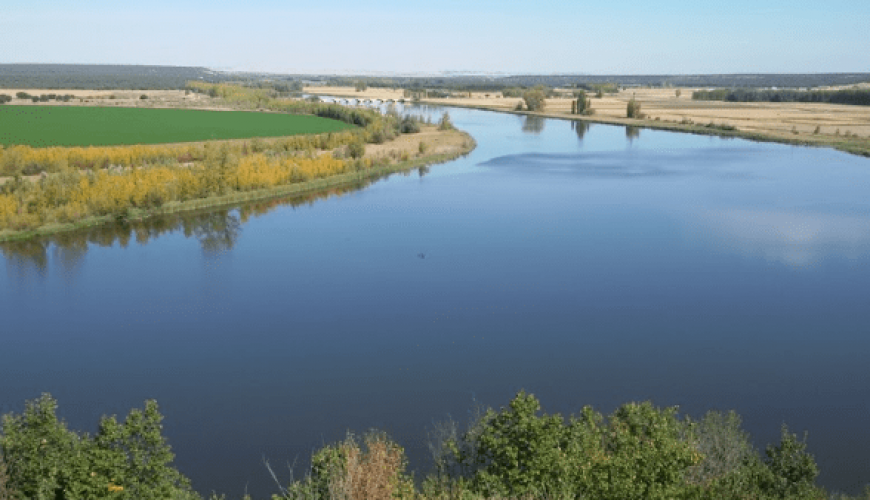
(104, 76)
(860, 97)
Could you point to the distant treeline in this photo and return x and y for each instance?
(104, 77)
(849, 96)
(483, 83)
(85, 76)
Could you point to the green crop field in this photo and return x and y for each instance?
(43, 126)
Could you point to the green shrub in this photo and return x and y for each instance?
(582, 106)
(356, 150)
(445, 123)
(143, 96)
(632, 110)
(639, 452)
(535, 99)
(409, 125)
(724, 446)
(6, 493)
(647, 451)
(793, 470)
(129, 460)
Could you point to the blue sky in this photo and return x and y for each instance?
(545, 36)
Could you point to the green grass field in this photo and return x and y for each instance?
(44, 126)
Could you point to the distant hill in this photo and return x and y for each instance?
(92, 76)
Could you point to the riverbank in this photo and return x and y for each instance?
(400, 154)
(842, 127)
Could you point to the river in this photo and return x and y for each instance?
(589, 265)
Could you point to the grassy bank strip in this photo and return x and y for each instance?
(246, 196)
(845, 144)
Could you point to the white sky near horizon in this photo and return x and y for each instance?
(391, 37)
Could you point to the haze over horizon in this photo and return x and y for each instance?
(391, 37)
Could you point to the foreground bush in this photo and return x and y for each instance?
(129, 460)
(349, 472)
(638, 452)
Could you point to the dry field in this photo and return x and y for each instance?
(776, 120)
(371, 93)
(120, 98)
(437, 142)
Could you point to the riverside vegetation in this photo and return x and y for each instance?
(638, 452)
(832, 119)
(80, 186)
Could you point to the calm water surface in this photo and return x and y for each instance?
(590, 265)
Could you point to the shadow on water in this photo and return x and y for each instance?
(712, 163)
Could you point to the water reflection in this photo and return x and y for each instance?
(26, 260)
(796, 238)
(533, 124)
(580, 128)
(217, 230)
(632, 133)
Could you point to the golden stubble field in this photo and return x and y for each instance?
(775, 119)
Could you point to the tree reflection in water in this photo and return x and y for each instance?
(580, 128)
(632, 133)
(26, 261)
(533, 124)
(217, 230)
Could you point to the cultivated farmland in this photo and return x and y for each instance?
(100, 126)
